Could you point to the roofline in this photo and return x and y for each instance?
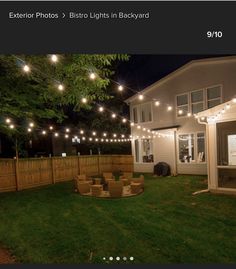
(179, 70)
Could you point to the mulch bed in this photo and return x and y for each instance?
(6, 257)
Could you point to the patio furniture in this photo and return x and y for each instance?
(115, 188)
(135, 187)
(83, 187)
(138, 180)
(125, 181)
(97, 181)
(108, 176)
(96, 190)
(83, 177)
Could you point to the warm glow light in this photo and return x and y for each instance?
(105, 134)
(157, 103)
(60, 87)
(92, 76)
(139, 127)
(131, 124)
(26, 68)
(202, 118)
(234, 100)
(83, 138)
(56, 134)
(31, 124)
(94, 133)
(113, 115)
(122, 136)
(169, 108)
(82, 131)
(124, 120)
(67, 130)
(43, 132)
(120, 88)
(140, 97)
(102, 140)
(227, 106)
(114, 135)
(90, 139)
(12, 126)
(29, 130)
(189, 114)
(180, 112)
(66, 135)
(54, 58)
(144, 129)
(8, 120)
(96, 139)
(84, 100)
(51, 127)
(101, 109)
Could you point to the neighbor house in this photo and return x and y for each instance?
(164, 126)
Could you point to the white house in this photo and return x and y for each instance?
(164, 127)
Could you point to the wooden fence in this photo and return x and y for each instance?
(34, 172)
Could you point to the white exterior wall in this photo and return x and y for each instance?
(196, 76)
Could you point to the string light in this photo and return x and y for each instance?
(82, 131)
(84, 100)
(92, 76)
(101, 109)
(131, 124)
(227, 106)
(180, 112)
(51, 127)
(139, 127)
(113, 115)
(90, 139)
(114, 135)
(189, 114)
(140, 97)
(234, 100)
(56, 134)
(8, 120)
(12, 126)
(120, 88)
(26, 68)
(124, 120)
(157, 103)
(67, 130)
(169, 108)
(105, 134)
(83, 138)
(43, 132)
(60, 87)
(66, 135)
(54, 58)
(94, 133)
(29, 130)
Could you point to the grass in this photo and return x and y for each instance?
(165, 224)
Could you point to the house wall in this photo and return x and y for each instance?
(196, 76)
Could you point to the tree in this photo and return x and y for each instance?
(34, 95)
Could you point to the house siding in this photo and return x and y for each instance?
(197, 76)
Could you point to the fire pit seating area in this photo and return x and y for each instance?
(108, 187)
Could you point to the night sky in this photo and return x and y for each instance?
(143, 70)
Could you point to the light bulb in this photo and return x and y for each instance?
(120, 88)
(26, 68)
(92, 76)
(84, 100)
(54, 58)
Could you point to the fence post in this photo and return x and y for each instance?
(17, 173)
(78, 166)
(53, 172)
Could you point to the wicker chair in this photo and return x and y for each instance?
(139, 179)
(84, 178)
(83, 186)
(115, 188)
(108, 176)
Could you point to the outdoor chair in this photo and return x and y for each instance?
(115, 188)
(127, 175)
(83, 187)
(108, 176)
(139, 179)
(84, 178)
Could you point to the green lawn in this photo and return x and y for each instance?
(165, 224)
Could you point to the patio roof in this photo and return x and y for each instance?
(166, 128)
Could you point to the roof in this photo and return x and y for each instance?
(179, 71)
(166, 128)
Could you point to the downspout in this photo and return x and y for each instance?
(208, 164)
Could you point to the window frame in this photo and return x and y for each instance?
(177, 107)
(140, 112)
(199, 102)
(221, 94)
(195, 148)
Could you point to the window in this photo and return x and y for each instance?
(192, 148)
(182, 105)
(135, 114)
(186, 148)
(146, 112)
(200, 147)
(197, 101)
(147, 151)
(213, 96)
(136, 146)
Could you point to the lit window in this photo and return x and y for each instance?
(182, 105)
(186, 148)
(147, 150)
(200, 147)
